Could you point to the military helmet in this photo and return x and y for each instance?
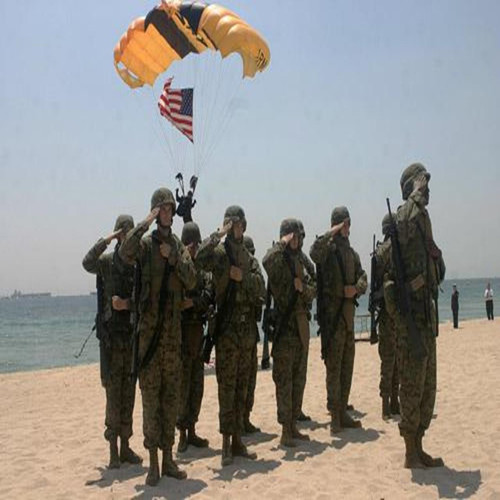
(190, 233)
(124, 222)
(162, 196)
(386, 224)
(409, 175)
(236, 214)
(339, 214)
(302, 231)
(248, 242)
(288, 226)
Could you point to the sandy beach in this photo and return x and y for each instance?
(52, 445)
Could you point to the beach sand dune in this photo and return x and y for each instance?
(52, 445)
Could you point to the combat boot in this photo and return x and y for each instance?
(335, 424)
(154, 471)
(127, 454)
(386, 408)
(114, 459)
(349, 422)
(303, 417)
(196, 440)
(183, 441)
(426, 459)
(250, 428)
(296, 434)
(412, 459)
(395, 403)
(286, 437)
(169, 467)
(227, 454)
(240, 450)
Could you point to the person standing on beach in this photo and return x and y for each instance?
(293, 292)
(488, 298)
(116, 280)
(252, 382)
(454, 305)
(424, 270)
(343, 281)
(166, 272)
(239, 285)
(387, 338)
(194, 311)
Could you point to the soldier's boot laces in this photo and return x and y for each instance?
(412, 459)
(335, 425)
(114, 459)
(395, 404)
(196, 440)
(287, 438)
(127, 454)
(240, 450)
(169, 467)
(386, 408)
(183, 442)
(296, 434)
(303, 417)
(154, 470)
(227, 454)
(349, 422)
(250, 428)
(425, 458)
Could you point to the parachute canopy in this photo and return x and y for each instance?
(174, 29)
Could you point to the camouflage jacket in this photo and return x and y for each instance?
(324, 253)
(202, 295)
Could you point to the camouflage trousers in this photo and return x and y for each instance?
(389, 378)
(252, 383)
(120, 394)
(160, 385)
(417, 393)
(339, 363)
(191, 393)
(233, 365)
(289, 375)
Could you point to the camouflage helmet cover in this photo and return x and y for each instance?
(339, 214)
(288, 226)
(190, 233)
(124, 222)
(409, 175)
(248, 242)
(386, 224)
(162, 196)
(236, 214)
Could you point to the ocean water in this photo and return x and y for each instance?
(47, 332)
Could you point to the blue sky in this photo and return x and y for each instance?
(356, 90)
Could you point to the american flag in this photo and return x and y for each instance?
(176, 105)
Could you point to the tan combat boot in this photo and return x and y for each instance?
(227, 454)
(169, 467)
(154, 471)
(286, 437)
(127, 454)
(196, 440)
(240, 450)
(425, 458)
(114, 459)
(412, 460)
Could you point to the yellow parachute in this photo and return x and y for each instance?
(174, 29)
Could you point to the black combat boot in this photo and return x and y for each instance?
(240, 450)
(395, 403)
(335, 423)
(425, 458)
(169, 467)
(286, 437)
(154, 470)
(127, 454)
(183, 442)
(347, 421)
(303, 417)
(196, 440)
(227, 454)
(114, 459)
(296, 434)
(386, 408)
(412, 459)
(249, 427)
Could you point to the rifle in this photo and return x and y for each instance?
(135, 340)
(102, 333)
(374, 299)
(268, 327)
(224, 313)
(416, 345)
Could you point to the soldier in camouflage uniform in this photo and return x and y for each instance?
(194, 309)
(293, 292)
(343, 280)
(424, 268)
(252, 383)
(239, 285)
(116, 341)
(389, 378)
(167, 271)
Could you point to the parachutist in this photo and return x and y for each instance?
(186, 204)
